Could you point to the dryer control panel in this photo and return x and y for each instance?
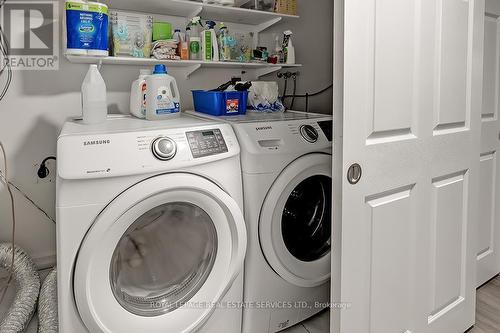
(206, 142)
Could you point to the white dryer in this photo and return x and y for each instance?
(287, 169)
(150, 230)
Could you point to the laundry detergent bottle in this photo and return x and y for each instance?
(162, 95)
(138, 95)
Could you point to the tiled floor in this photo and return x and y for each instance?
(317, 324)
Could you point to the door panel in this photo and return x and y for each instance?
(412, 77)
(451, 61)
(448, 243)
(390, 213)
(488, 256)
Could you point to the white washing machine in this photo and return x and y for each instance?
(287, 169)
(150, 231)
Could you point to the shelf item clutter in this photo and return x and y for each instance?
(133, 35)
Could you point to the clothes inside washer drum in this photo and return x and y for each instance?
(47, 305)
(27, 283)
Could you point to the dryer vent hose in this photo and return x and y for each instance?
(47, 305)
(27, 283)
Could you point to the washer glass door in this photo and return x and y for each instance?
(295, 221)
(163, 258)
(306, 220)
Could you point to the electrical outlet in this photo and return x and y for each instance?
(51, 177)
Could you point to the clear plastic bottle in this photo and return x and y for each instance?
(194, 39)
(224, 47)
(94, 101)
(178, 37)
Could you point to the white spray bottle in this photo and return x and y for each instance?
(94, 102)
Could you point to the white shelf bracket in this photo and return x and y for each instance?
(264, 71)
(266, 25)
(190, 70)
(261, 27)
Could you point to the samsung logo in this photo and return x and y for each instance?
(264, 128)
(96, 142)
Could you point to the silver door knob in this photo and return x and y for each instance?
(354, 173)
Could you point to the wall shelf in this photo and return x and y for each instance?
(188, 9)
(187, 66)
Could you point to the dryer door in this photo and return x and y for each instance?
(159, 256)
(295, 221)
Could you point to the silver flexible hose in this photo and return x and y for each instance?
(47, 305)
(27, 280)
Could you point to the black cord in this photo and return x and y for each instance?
(307, 102)
(311, 94)
(284, 91)
(43, 171)
(294, 91)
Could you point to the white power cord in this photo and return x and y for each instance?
(4, 179)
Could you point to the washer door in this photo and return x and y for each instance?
(159, 256)
(295, 221)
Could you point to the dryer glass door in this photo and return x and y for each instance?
(160, 256)
(295, 221)
(163, 258)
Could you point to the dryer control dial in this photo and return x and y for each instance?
(309, 133)
(164, 148)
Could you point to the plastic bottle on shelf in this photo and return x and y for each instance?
(138, 95)
(162, 95)
(94, 101)
(194, 39)
(209, 45)
(178, 37)
(224, 47)
(187, 43)
(290, 53)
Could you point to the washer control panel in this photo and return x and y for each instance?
(206, 143)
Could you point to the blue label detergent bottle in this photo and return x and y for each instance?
(162, 95)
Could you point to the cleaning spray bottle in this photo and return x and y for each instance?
(194, 39)
(162, 95)
(94, 101)
(209, 45)
(290, 53)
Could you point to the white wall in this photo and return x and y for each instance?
(38, 103)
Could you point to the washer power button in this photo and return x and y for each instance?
(164, 148)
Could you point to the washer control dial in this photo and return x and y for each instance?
(309, 133)
(164, 148)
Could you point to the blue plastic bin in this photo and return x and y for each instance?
(216, 103)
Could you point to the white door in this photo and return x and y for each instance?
(158, 256)
(411, 112)
(488, 237)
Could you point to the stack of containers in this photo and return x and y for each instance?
(87, 28)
